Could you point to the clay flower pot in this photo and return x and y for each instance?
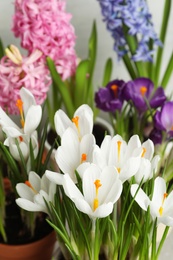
(41, 249)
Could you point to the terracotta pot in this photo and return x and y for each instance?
(41, 249)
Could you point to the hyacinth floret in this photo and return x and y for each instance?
(17, 71)
(119, 19)
(45, 25)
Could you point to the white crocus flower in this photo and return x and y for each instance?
(73, 152)
(101, 189)
(30, 116)
(161, 204)
(34, 191)
(82, 121)
(123, 156)
(24, 146)
(148, 164)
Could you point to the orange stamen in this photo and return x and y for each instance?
(115, 89)
(83, 157)
(20, 138)
(19, 105)
(30, 186)
(75, 120)
(143, 90)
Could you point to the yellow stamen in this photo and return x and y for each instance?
(119, 149)
(96, 204)
(30, 186)
(161, 211)
(143, 90)
(13, 54)
(115, 89)
(83, 157)
(143, 151)
(161, 207)
(118, 169)
(19, 105)
(96, 201)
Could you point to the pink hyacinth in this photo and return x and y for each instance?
(44, 25)
(16, 72)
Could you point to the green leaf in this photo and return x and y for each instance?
(1, 49)
(11, 162)
(61, 87)
(80, 91)
(92, 58)
(107, 72)
(165, 19)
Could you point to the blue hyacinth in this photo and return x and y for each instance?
(130, 18)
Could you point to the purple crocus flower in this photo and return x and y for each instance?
(156, 136)
(110, 98)
(163, 119)
(141, 92)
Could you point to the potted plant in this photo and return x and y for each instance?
(22, 153)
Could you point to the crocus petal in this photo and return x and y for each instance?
(130, 169)
(6, 120)
(141, 198)
(62, 122)
(159, 190)
(70, 188)
(27, 98)
(35, 180)
(24, 191)
(55, 177)
(83, 206)
(12, 131)
(103, 211)
(29, 206)
(32, 119)
(149, 149)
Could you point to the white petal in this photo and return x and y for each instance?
(91, 174)
(149, 146)
(6, 120)
(159, 190)
(166, 220)
(103, 210)
(62, 122)
(141, 198)
(24, 191)
(29, 206)
(83, 206)
(12, 131)
(130, 168)
(27, 98)
(133, 144)
(32, 119)
(55, 177)
(70, 188)
(35, 180)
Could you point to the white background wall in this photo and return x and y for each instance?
(84, 12)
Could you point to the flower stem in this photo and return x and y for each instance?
(93, 238)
